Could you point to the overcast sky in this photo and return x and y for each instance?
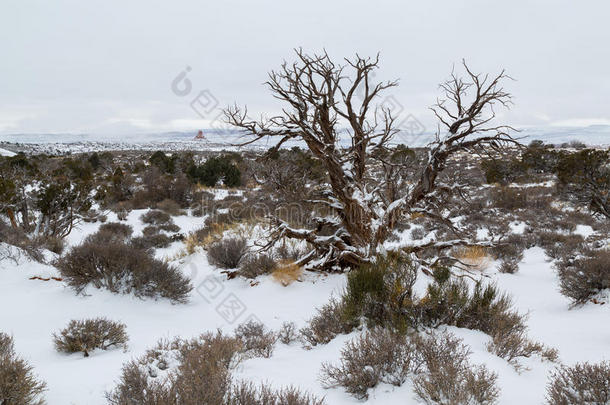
(107, 67)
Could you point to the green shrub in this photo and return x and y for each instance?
(215, 169)
(381, 292)
(165, 163)
(452, 303)
(503, 171)
(584, 176)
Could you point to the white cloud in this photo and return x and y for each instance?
(581, 122)
(94, 66)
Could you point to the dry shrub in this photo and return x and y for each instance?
(583, 383)
(257, 341)
(287, 273)
(437, 364)
(475, 257)
(418, 233)
(509, 198)
(54, 244)
(381, 294)
(17, 237)
(289, 251)
(196, 372)
(122, 231)
(155, 217)
(204, 237)
(135, 387)
(227, 253)
(169, 227)
(326, 324)
(557, 245)
(223, 220)
(374, 357)
(485, 309)
(92, 216)
(182, 372)
(511, 248)
(288, 333)
(18, 384)
(512, 343)
(170, 207)
(191, 243)
(583, 278)
(203, 376)
(509, 266)
(122, 269)
(246, 393)
(448, 377)
(90, 334)
(122, 214)
(151, 241)
(209, 234)
(254, 265)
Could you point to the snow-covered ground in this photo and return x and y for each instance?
(33, 309)
(4, 152)
(226, 139)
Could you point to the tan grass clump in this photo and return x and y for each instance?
(476, 257)
(287, 272)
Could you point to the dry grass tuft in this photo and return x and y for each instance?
(191, 243)
(476, 257)
(287, 272)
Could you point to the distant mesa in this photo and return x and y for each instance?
(200, 135)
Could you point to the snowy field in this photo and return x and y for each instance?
(215, 139)
(33, 309)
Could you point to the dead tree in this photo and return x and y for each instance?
(324, 101)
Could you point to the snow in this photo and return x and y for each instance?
(584, 230)
(4, 152)
(45, 307)
(34, 309)
(517, 227)
(482, 234)
(577, 333)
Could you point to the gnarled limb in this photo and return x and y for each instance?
(370, 187)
